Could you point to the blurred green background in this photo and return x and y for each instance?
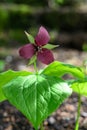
(66, 20)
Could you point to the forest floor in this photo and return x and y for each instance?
(65, 116)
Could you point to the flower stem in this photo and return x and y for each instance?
(35, 67)
(36, 129)
(41, 126)
(78, 113)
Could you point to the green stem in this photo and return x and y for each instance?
(78, 113)
(41, 126)
(35, 67)
(36, 129)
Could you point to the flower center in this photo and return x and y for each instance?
(39, 48)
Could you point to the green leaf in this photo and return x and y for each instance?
(32, 60)
(84, 47)
(59, 1)
(30, 37)
(6, 77)
(50, 46)
(36, 96)
(80, 86)
(59, 69)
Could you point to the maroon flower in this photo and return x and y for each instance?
(38, 48)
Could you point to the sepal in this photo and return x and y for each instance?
(30, 38)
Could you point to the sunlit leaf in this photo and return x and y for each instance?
(6, 77)
(36, 96)
(80, 86)
(59, 69)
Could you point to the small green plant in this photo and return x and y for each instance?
(84, 47)
(2, 65)
(37, 94)
(80, 87)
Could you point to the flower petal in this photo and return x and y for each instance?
(27, 51)
(45, 56)
(42, 37)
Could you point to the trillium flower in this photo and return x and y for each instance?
(38, 47)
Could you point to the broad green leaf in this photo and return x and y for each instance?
(59, 69)
(36, 96)
(50, 46)
(32, 60)
(30, 37)
(80, 86)
(7, 76)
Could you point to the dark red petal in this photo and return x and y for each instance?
(27, 51)
(42, 37)
(45, 56)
